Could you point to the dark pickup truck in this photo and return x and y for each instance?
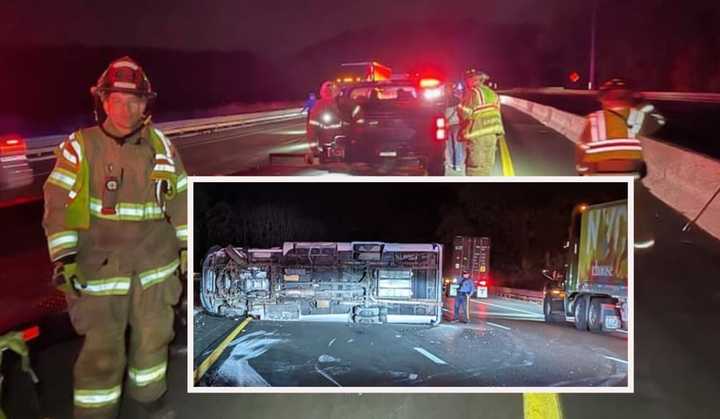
(390, 121)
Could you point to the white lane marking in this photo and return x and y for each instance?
(506, 308)
(331, 342)
(615, 359)
(324, 374)
(498, 325)
(526, 316)
(430, 356)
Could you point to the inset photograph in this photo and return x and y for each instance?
(411, 286)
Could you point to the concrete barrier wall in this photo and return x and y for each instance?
(682, 179)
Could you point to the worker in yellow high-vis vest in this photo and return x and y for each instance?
(116, 224)
(481, 123)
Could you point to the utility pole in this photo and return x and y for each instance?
(593, 36)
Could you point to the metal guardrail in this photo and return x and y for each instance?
(517, 294)
(41, 148)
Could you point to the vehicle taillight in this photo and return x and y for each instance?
(12, 146)
(440, 130)
(483, 283)
(429, 83)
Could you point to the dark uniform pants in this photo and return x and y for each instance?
(461, 305)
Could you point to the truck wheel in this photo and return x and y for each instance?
(594, 320)
(581, 314)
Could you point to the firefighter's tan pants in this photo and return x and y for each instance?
(101, 366)
(481, 155)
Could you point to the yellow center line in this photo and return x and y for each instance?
(209, 361)
(542, 406)
(505, 159)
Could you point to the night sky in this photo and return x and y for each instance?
(203, 56)
(273, 26)
(524, 220)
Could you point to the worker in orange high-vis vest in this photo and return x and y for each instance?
(116, 224)
(481, 122)
(610, 142)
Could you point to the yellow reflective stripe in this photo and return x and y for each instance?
(542, 406)
(143, 377)
(182, 182)
(128, 212)
(61, 241)
(62, 178)
(182, 232)
(158, 275)
(97, 398)
(109, 286)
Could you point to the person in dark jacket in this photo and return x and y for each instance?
(465, 289)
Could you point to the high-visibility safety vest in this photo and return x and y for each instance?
(612, 135)
(480, 112)
(77, 216)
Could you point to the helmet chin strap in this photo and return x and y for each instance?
(120, 139)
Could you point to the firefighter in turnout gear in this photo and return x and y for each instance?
(481, 123)
(323, 119)
(609, 143)
(116, 224)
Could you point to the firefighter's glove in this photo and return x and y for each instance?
(67, 278)
(183, 262)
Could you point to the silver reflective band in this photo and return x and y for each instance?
(97, 398)
(147, 376)
(182, 233)
(164, 168)
(613, 148)
(164, 157)
(124, 85)
(645, 244)
(76, 146)
(154, 276)
(64, 238)
(182, 183)
(125, 64)
(64, 179)
(111, 286)
(69, 157)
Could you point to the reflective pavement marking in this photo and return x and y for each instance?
(430, 356)
(542, 406)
